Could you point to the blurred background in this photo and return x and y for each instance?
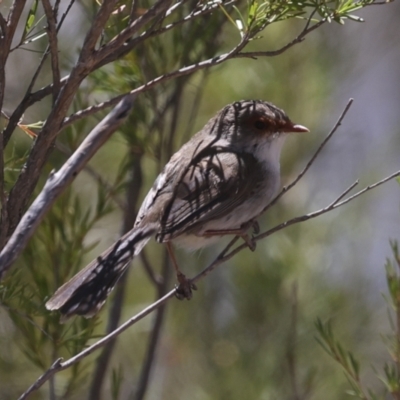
(249, 331)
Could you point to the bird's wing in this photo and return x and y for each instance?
(211, 187)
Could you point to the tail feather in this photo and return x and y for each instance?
(86, 292)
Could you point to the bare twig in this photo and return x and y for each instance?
(312, 159)
(234, 53)
(53, 44)
(116, 43)
(58, 181)
(335, 204)
(253, 54)
(8, 31)
(42, 379)
(58, 365)
(302, 173)
(379, 3)
(132, 13)
(66, 12)
(151, 33)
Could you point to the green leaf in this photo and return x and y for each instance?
(30, 19)
(354, 365)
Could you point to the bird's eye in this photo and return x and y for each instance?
(259, 124)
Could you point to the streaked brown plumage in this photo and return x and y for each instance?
(223, 177)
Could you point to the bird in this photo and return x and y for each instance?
(216, 184)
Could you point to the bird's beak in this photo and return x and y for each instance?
(290, 127)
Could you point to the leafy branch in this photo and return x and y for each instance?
(351, 367)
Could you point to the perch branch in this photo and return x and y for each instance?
(58, 365)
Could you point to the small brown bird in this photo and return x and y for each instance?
(217, 183)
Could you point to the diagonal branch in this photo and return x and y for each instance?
(25, 184)
(119, 41)
(335, 204)
(58, 181)
(58, 365)
(53, 45)
(312, 159)
(307, 29)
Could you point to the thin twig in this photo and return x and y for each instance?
(151, 33)
(335, 204)
(53, 44)
(58, 365)
(273, 53)
(312, 159)
(119, 41)
(67, 10)
(345, 193)
(42, 379)
(132, 13)
(234, 53)
(379, 3)
(7, 35)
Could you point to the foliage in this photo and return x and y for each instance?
(168, 60)
(390, 376)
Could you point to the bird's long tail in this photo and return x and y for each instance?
(86, 292)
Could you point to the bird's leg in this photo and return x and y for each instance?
(185, 287)
(242, 232)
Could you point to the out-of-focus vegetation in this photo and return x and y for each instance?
(249, 332)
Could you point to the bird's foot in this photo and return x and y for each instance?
(185, 287)
(249, 240)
